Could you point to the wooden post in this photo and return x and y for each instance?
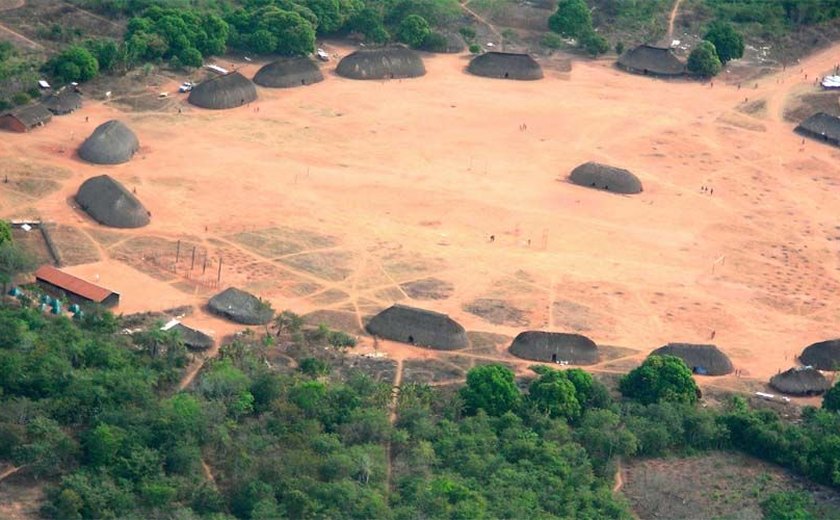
(193, 259)
(177, 252)
(219, 276)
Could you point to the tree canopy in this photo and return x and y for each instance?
(571, 19)
(660, 378)
(75, 63)
(729, 43)
(703, 60)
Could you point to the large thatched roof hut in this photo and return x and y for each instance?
(111, 143)
(604, 177)
(26, 118)
(418, 327)
(801, 381)
(193, 339)
(289, 72)
(505, 65)
(821, 126)
(382, 63)
(63, 102)
(241, 307)
(556, 347)
(701, 359)
(652, 61)
(109, 203)
(228, 91)
(824, 355)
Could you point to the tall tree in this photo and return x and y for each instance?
(491, 388)
(729, 43)
(660, 378)
(572, 19)
(703, 60)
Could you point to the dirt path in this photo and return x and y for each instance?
(673, 18)
(619, 478)
(207, 473)
(9, 472)
(395, 396)
(482, 20)
(14, 35)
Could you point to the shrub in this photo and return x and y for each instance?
(475, 48)
(551, 40)
(435, 42)
(21, 98)
(468, 33)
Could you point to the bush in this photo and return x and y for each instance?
(468, 33)
(5, 104)
(413, 30)
(435, 42)
(594, 43)
(21, 98)
(314, 367)
(75, 63)
(572, 19)
(552, 41)
(660, 378)
(703, 60)
(475, 48)
(339, 339)
(619, 48)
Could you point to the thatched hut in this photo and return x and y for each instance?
(109, 203)
(382, 63)
(418, 327)
(824, 355)
(822, 127)
(651, 61)
(289, 72)
(240, 307)
(555, 347)
(802, 381)
(701, 359)
(63, 102)
(505, 65)
(193, 339)
(228, 91)
(26, 118)
(111, 143)
(604, 177)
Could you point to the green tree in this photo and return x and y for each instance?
(13, 261)
(790, 505)
(729, 43)
(5, 232)
(593, 43)
(552, 393)
(491, 388)
(295, 35)
(107, 53)
(703, 60)
(75, 63)
(413, 30)
(572, 19)
(369, 23)
(660, 378)
(831, 399)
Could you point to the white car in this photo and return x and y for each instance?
(185, 87)
(322, 55)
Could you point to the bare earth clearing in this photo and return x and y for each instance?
(348, 196)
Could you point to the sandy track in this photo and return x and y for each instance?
(672, 18)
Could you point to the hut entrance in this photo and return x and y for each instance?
(411, 340)
(507, 75)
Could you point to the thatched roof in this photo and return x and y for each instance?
(109, 203)
(289, 72)
(382, 63)
(701, 359)
(604, 177)
(193, 339)
(821, 126)
(800, 381)
(824, 355)
(229, 91)
(418, 327)
(110, 143)
(651, 60)
(505, 65)
(558, 347)
(240, 307)
(32, 115)
(63, 102)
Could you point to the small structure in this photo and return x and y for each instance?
(193, 339)
(419, 327)
(824, 355)
(555, 347)
(822, 127)
(505, 65)
(26, 118)
(111, 142)
(392, 62)
(604, 177)
(109, 203)
(705, 360)
(223, 92)
(241, 307)
(81, 292)
(289, 72)
(63, 102)
(803, 381)
(651, 61)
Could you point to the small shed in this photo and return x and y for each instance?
(63, 102)
(65, 285)
(25, 118)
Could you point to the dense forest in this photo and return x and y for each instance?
(95, 413)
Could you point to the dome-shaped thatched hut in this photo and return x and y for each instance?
(604, 177)
(193, 339)
(111, 143)
(822, 127)
(652, 61)
(63, 102)
(418, 327)
(229, 91)
(240, 307)
(556, 347)
(382, 63)
(801, 381)
(289, 72)
(701, 359)
(505, 65)
(824, 355)
(109, 203)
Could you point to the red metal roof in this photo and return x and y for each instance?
(71, 284)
